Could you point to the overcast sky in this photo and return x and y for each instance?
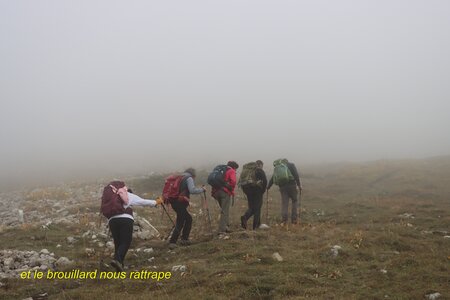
(150, 85)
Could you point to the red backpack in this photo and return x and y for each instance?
(171, 190)
(112, 204)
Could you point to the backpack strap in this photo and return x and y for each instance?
(184, 181)
(122, 192)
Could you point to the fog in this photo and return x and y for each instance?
(99, 87)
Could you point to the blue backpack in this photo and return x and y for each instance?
(216, 177)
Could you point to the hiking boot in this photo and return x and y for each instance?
(172, 246)
(116, 265)
(185, 242)
(243, 222)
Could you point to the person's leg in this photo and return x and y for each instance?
(284, 204)
(295, 203)
(187, 224)
(126, 236)
(258, 200)
(249, 212)
(178, 208)
(114, 226)
(225, 202)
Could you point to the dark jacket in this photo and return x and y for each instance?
(294, 173)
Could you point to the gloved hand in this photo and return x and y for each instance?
(159, 200)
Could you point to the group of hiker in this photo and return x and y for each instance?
(117, 201)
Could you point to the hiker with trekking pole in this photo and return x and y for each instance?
(116, 204)
(253, 182)
(177, 191)
(223, 181)
(285, 175)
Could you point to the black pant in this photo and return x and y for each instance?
(122, 232)
(183, 223)
(255, 200)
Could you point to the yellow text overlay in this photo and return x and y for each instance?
(77, 274)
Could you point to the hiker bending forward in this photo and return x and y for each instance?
(288, 191)
(121, 225)
(183, 223)
(223, 196)
(254, 193)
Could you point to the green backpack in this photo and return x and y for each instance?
(248, 175)
(281, 173)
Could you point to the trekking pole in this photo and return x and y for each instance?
(170, 218)
(267, 207)
(207, 211)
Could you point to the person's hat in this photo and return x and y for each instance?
(233, 164)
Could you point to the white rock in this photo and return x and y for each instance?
(407, 216)
(433, 296)
(110, 245)
(35, 261)
(264, 226)
(44, 251)
(144, 235)
(89, 251)
(21, 216)
(148, 250)
(58, 246)
(179, 268)
(70, 239)
(277, 256)
(335, 250)
(224, 236)
(43, 268)
(63, 262)
(9, 262)
(103, 235)
(383, 271)
(23, 268)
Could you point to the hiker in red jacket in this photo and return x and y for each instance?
(223, 196)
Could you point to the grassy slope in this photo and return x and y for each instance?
(357, 207)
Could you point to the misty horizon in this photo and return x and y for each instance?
(100, 88)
